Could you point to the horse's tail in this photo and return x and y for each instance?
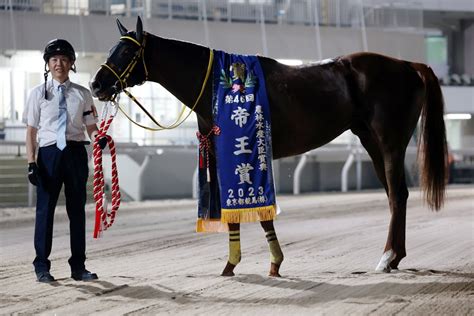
(432, 146)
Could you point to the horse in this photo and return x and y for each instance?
(379, 98)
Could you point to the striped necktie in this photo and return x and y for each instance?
(62, 119)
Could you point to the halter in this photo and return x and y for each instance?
(140, 53)
(122, 79)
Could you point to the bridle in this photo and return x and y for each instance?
(103, 218)
(124, 76)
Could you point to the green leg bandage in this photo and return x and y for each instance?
(276, 255)
(234, 247)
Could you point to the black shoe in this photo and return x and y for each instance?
(44, 277)
(84, 275)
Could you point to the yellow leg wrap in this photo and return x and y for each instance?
(234, 247)
(276, 255)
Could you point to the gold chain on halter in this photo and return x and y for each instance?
(122, 78)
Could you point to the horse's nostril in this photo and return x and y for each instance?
(95, 86)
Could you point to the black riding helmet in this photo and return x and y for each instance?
(57, 47)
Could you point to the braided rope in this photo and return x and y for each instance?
(204, 147)
(103, 218)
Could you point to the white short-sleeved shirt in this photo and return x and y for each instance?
(43, 114)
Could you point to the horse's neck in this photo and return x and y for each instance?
(180, 67)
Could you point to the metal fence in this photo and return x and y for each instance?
(345, 13)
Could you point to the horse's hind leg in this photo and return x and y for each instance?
(390, 169)
(370, 143)
(276, 255)
(395, 250)
(398, 201)
(234, 250)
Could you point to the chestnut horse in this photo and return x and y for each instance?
(380, 99)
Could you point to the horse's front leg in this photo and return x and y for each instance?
(234, 249)
(276, 255)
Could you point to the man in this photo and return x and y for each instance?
(56, 114)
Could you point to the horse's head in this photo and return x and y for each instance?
(125, 66)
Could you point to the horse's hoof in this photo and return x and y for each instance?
(228, 270)
(395, 262)
(227, 273)
(383, 270)
(274, 270)
(384, 264)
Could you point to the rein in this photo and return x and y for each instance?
(122, 79)
(104, 219)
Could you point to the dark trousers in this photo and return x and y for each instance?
(55, 168)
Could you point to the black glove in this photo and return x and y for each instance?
(103, 142)
(33, 174)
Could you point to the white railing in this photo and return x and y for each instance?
(12, 148)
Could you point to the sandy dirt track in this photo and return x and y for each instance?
(152, 262)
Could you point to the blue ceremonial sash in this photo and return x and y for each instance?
(244, 188)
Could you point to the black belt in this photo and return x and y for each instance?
(73, 143)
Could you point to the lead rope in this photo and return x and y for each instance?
(103, 218)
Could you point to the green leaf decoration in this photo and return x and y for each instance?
(250, 80)
(225, 80)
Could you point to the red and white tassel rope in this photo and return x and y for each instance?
(204, 148)
(103, 218)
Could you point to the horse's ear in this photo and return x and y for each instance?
(139, 29)
(121, 28)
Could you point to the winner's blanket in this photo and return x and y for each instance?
(237, 186)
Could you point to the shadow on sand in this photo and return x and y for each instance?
(305, 292)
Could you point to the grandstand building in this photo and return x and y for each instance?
(439, 33)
